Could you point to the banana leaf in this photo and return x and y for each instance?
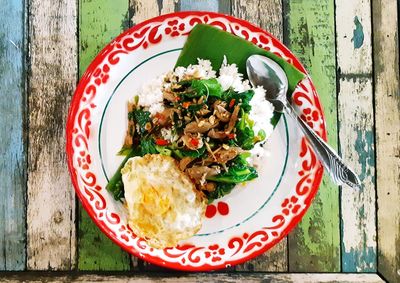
(208, 42)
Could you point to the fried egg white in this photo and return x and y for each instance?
(164, 205)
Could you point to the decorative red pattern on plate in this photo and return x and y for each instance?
(188, 256)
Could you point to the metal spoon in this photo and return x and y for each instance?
(265, 72)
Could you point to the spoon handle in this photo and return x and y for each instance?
(340, 172)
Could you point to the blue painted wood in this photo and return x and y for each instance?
(12, 141)
(222, 6)
(356, 133)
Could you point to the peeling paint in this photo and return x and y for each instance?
(358, 34)
(363, 260)
(364, 146)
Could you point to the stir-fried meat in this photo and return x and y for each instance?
(170, 96)
(208, 186)
(219, 135)
(222, 155)
(192, 142)
(203, 111)
(222, 114)
(232, 121)
(131, 106)
(165, 117)
(185, 162)
(129, 134)
(200, 173)
(204, 125)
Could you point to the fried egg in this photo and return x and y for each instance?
(163, 204)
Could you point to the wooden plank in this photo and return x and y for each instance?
(146, 9)
(51, 199)
(310, 34)
(142, 10)
(356, 135)
(99, 22)
(188, 278)
(387, 130)
(221, 6)
(267, 15)
(12, 138)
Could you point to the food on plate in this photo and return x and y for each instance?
(164, 205)
(211, 122)
(193, 134)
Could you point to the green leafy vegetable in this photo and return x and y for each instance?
(212, 43)
(164, 150)
(243, 98)
(115, 185)
(221, 190)
(141, 117)
(181, 153)
(207, 87)
(244, 132)
(124, 151)
(239, 171)
(195, 107)
(147, 146)
(261, 135)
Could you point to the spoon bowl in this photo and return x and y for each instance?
(263, 71)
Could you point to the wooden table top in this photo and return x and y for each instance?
(350, 49)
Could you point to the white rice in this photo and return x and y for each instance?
(261, 113)
(229, 77)
(151, 96)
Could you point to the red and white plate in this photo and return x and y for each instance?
(238, 227)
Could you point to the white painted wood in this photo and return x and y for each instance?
(267, 15)
(189, 278)
(387, 125)
(53, 75)
(356, 133)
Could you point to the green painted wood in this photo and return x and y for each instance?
(309, 32)
(12, 138)
(99, 22)
(356, 135)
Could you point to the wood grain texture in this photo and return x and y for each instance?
(356, 133)
(267, 15)
(221, 6)
(387, 130)
(99, 23)
(310, 33)
(145, 9)
(53, 75)
(12, 138)
(192, 278)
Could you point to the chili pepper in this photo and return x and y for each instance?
(232, 103)
(161, 142)
(194, 142)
